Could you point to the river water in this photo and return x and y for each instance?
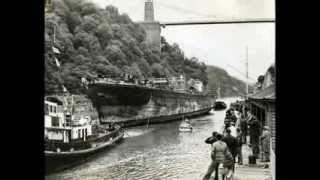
(157, 152)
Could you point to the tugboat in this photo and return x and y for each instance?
(71, 136)
(220, 105)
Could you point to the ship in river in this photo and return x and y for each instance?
(155, 100)
(73, 132)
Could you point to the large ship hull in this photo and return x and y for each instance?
(132, 105)
(163, 119)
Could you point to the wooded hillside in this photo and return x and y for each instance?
(96, 41)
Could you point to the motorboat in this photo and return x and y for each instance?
(185, 126)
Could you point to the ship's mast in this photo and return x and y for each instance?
(218, 91)
(247, 73)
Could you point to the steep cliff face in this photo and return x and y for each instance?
(84, 106)
(80, 105)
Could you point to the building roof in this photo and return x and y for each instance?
(265, 94)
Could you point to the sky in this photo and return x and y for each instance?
(222, 45)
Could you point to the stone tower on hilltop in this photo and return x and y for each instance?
(151, 26)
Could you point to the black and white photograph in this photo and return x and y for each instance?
(159, 90)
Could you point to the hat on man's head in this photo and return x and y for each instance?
(219, 136)
(214, 133)
(228, 131)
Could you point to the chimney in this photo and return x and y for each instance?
(148, 11)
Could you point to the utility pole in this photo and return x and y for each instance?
(247, 74)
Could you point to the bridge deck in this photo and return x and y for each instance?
(217, 22)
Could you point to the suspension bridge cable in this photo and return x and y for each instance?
(184, 10)
(240, 72)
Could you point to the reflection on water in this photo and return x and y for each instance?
(157, 152)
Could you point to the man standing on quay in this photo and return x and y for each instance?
(254, 130)
(243, 128)
(211, 140)
(239, 146)
(265, 141)
(219, 149)
(231, 142)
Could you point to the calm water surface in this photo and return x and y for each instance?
(157, 152)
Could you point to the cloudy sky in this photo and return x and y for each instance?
(219, 45)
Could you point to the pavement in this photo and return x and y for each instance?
(248, 171)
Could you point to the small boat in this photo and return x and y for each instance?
(185, 126)
(220, 105)
(72, 137)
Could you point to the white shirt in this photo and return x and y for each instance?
(233, 131)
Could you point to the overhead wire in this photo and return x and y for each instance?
(240, 72)
(184, 10)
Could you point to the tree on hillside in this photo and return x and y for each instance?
(104, 33)
(218, 77)
(157, 70)
(114, 54)
(88, 8)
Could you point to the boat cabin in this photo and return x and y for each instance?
(63, 126)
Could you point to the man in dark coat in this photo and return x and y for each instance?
(249, 121)
(254, 130)
(243, 128)
(231, 142)
(239, 146)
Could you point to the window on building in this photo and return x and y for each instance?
(55, 121)
(68, 119)
(50, 108)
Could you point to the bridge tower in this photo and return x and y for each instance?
(151, 26)
(148, 11)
